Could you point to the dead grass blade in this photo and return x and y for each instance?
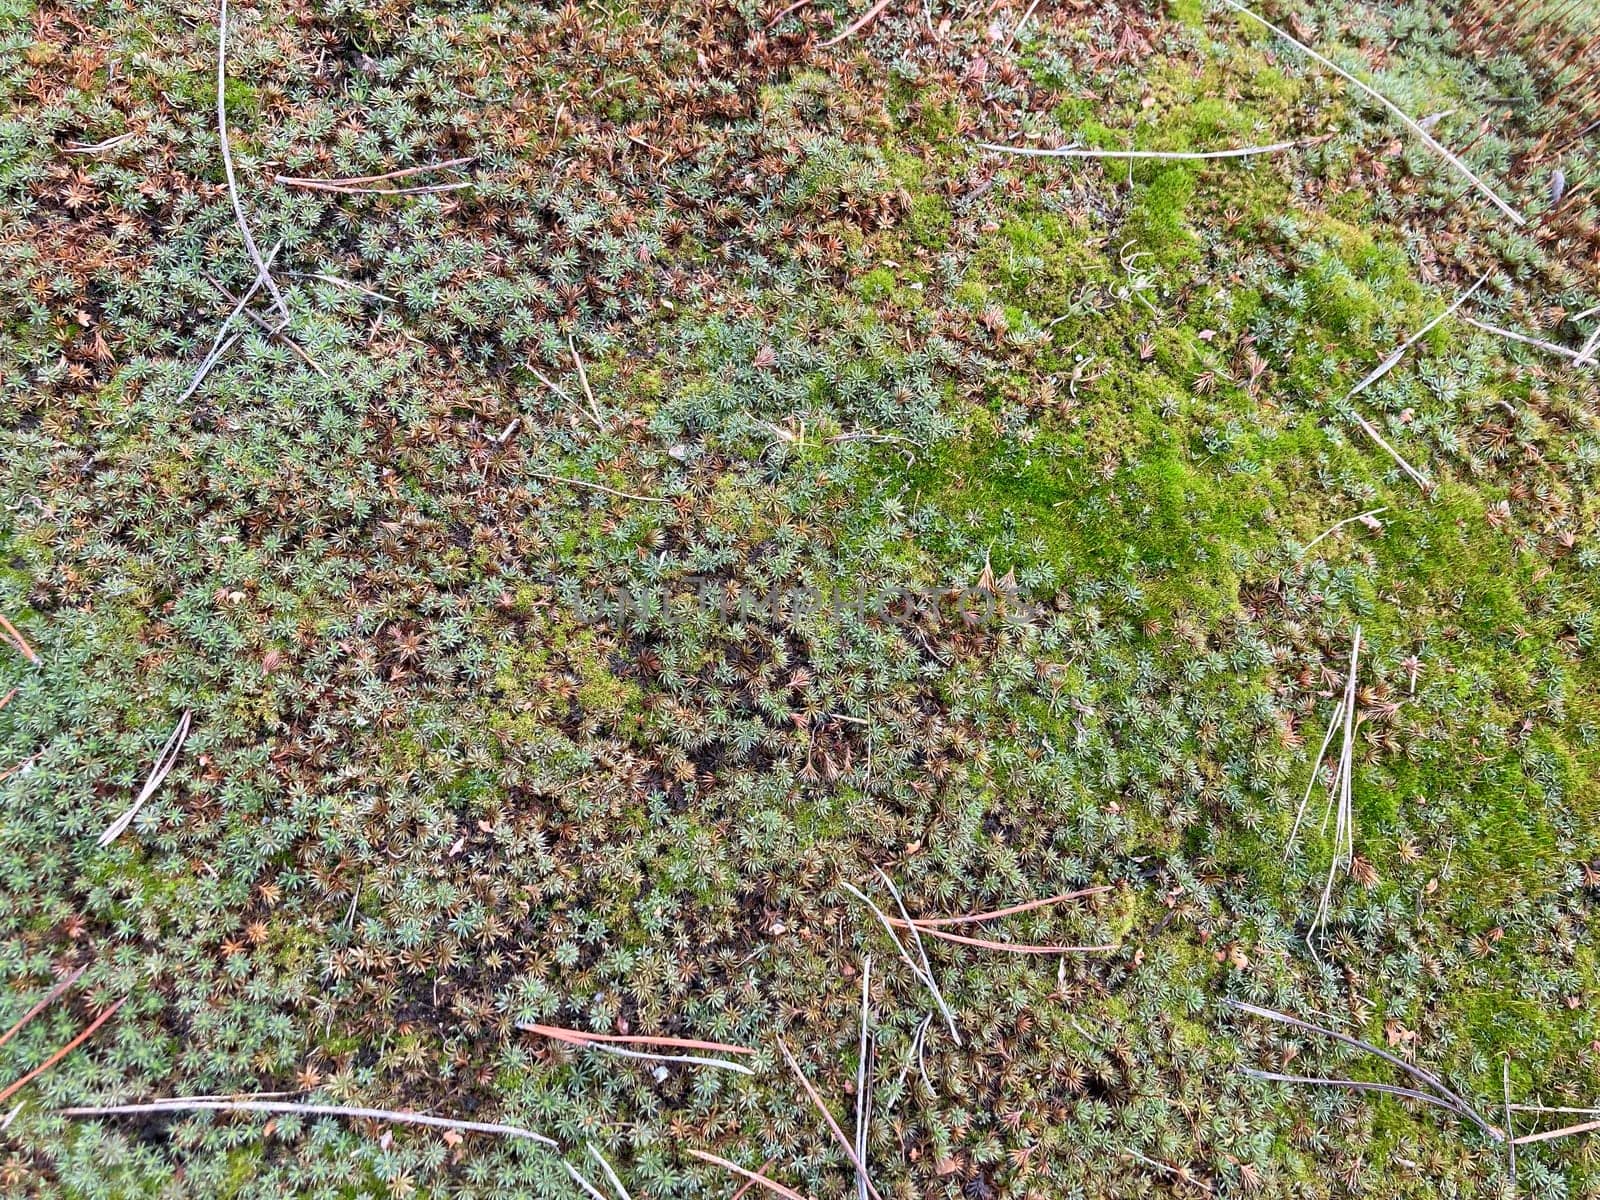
(342, 283)
(1428, 1080)
(1427, 138)
(222, 342)
(916, 941)
(167, 759)
(110, 143)
(833, 1125)
(863, 1078)
(1340, 796)
(1417, 476)
(600, 487)
(63, 1052)
(1549, 1135)
(653, 1056)
(1389, 363)
(1009, 947)
(793, 8)
(262, 272)
(266, 327)
(425, 189)
(856, 26)
(1354, 1085)
(605, 1168)
(578, 1036)
(14, 636)
(193, 1104)
(1578, 357)
(928, 923)
(750, 1183)
(583, 378)
(1367, 517)
(755, 1177)
(621, 1046)
(1163, 155)
(1511, 1126)
(578, 1178)
(922, 972)
(49, 998)
(359, 180)
(364, 184)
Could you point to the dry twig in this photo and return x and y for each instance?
(158, 773)
(1427, 138)
(1163, 155)
(828, 1118)
(49, 998)
(14, 636)
(62, 1053)
(262, 272)
(860, 23)
(1443, 1096)
(755, 1177)
(198, 1104)
(1389, 363)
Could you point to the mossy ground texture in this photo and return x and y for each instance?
(749, 485)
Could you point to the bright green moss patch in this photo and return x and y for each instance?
(997, 528)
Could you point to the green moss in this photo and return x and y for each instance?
(929, 222)
(1158, 220)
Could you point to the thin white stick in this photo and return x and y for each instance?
(919, 972)
(187, 1103)
(163, 766)
(858, 24)
(1551, 347)
(1338, 525)
(647, 1056)
(343, 283)
(1166, 155)
(423, 189)
(1427, 138)
(1422, 480)
(861, 1081)
(577, 1178)
(916, 940)
(583, 378)
(610, 1175)
(1344, 821)
(600, 487)
(1393, 360)
(221, 343)
(1316, 770)
(227, 163)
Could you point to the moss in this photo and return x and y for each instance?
(928, 222)
(1191, 13)
(1158, 219)
(877, 285)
